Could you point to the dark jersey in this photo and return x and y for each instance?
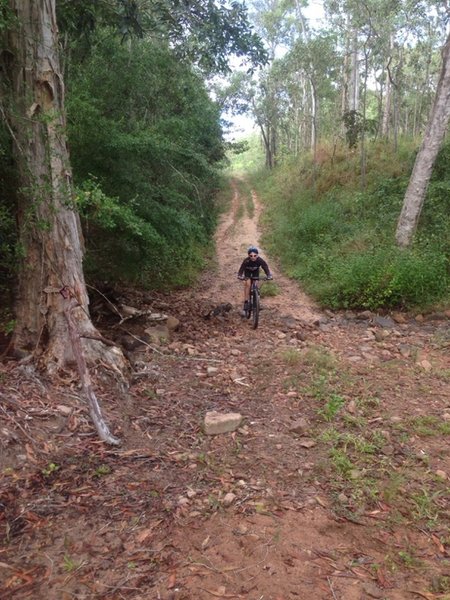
(250, 268)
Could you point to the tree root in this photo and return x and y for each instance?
(94, 407)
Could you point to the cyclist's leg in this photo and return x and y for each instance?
(247, 286)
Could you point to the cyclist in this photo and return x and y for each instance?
(250, 268)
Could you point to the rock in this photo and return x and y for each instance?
(355, 358)
(373, 591)
(300, 335)
(64, 410)
(307, 443)
(290, 322)
(364, 315)
(235, 352)
(216, 423)
(158, 333)
(384, 321)
(405, 350)
(229, 499)
(399, 317)
(172, 323)
(395, 419)
(426, 365)
(354, 474)
(211, 371)
(437, 316)
(381, 335)
(441, 474)
(281, 336)
(300, 426)
(419, 318)
(351, 407)
(446, 416)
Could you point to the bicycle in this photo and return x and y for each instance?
(253, 303)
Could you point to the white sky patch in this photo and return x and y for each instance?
(243, 125)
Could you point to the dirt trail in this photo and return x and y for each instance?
(236, 232)
(335, 487)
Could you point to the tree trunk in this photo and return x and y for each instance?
(386, 122)
(353, 96)
(434, 135)
(49, 227)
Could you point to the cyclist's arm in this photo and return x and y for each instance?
(241, 269)
(265, 267)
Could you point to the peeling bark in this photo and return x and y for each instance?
(49, 226)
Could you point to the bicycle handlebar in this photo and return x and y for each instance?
(257, 278)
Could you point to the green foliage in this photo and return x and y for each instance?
(332, 407)
(355, 124)
(144, 168)
(339, 241)
(205, 33)
(250, 159)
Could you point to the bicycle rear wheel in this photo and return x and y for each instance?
(255, 302)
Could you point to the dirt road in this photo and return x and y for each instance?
(237, 230)
(335, 486)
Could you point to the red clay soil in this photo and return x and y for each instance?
(335, 486)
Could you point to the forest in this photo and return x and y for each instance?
(156, 441)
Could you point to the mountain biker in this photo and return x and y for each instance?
(250, 268)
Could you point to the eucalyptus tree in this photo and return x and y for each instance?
(423, 166)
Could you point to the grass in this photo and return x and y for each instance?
(338, 240)
(269, 289)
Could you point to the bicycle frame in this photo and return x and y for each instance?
(253, 306)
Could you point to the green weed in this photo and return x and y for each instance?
(291, 357)
(441, 585)
(341, 462)
(320, 359)
(102, 470)
(69, 564)
(50, 469)
(424, 505)
(428, 426)
(269, 289)
(332, 407)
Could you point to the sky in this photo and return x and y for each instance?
(243, 125)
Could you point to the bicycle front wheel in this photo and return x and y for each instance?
(255, 302)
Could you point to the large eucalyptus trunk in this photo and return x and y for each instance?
(49, 227)
(434, 135)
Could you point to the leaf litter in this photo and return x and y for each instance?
(347, 506)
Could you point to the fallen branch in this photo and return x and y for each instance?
(94, 408)
(330, 583)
